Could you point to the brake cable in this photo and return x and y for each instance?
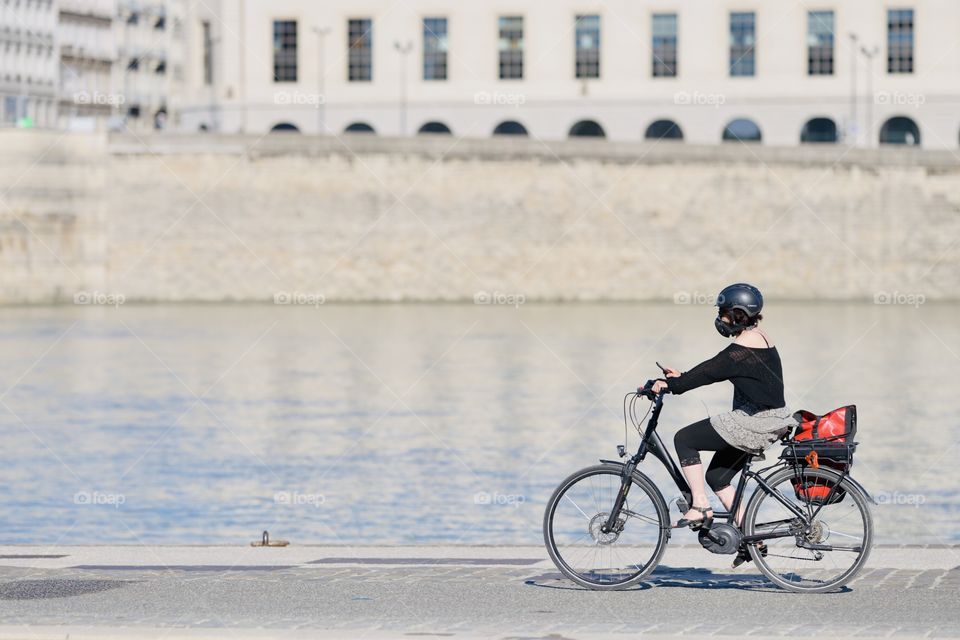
(633, 416)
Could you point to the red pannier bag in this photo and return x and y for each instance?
(838, 426)
(829, 437)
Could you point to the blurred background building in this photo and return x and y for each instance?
(28, 63)
(777, 72)
(780, 72)
(151, 47)
(90, 65)
(87, 52)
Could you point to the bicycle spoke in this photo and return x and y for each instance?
(570, 500)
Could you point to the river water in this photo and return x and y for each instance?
(419, 423)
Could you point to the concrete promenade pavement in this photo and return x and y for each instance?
(195, 592)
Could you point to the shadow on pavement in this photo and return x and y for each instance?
(687, 577)
(56, 588)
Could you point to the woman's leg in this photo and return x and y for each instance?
(726, 463)
(689, 442)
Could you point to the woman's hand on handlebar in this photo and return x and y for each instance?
(659, 386)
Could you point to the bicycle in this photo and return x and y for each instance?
(607, 526)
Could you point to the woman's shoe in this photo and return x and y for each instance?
(698, 523)
(743, 554)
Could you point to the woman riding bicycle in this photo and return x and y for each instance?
(759, 416)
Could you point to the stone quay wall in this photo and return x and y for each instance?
(297, 219)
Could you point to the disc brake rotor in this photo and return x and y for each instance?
(597, 522)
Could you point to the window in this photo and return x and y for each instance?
(588, 47)
(435, 127)
(900, 130)
(900, 41)
(434, 48)
(359, 127)
(207, 53)
(511, 47)
(663, 130)
(587, 129)
(742, 130)
(360, 43)
(9, 109)
(510, 128)
(664, 45)
(743, 29)
(819, 130)
(284, 51)
(820, 43)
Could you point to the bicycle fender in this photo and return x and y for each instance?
(862, 489)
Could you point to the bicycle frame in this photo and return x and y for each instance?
(653, 444)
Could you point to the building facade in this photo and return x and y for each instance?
(150, 36)
(774, 71)
(91, 64)
(28, 63)
(87, 95)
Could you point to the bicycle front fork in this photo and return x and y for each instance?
(626, 480)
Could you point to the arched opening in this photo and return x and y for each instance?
(284, 127)
(664, 130)
(819, 130)
(510, 128)
(742, 130)
(900, 130)
(587, 129)
(435, 127)
(359, 127)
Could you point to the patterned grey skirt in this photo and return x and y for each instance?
(752, 429)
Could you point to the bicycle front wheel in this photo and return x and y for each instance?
(572, 528)
(820, 550)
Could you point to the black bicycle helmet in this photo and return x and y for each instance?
(744, 297)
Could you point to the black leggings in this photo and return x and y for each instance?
(701, 436)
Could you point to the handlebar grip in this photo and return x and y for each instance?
(647, 392)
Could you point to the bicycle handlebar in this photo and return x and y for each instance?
(647, 392)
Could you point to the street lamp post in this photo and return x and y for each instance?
(321, 79)
(403, 49)
(214, 107)
(869, 54)
(852, 126)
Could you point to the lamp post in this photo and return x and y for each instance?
(869, 54)
(322, 34)
(852, 125)
(403, 49)
(214, 108)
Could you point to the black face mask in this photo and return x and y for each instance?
(727, 330)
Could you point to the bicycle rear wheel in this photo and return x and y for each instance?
(597, 560)
(842, 532)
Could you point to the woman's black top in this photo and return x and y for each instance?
(756, 374)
